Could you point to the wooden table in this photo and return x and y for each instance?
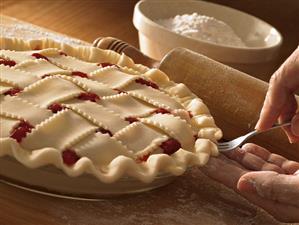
(85, 20)
(192, 199)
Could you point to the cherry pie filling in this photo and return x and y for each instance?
(46, 75)
(7, 62)
(89, 96)
(104, 131)
(13, 91)
(79, 74)
(131, 119)
(56, 107)
(147, 83)
(143, 158)
(168, 147)
(21, 130)
(106, 64)
(119, 91)
(62, 53)
(161, 110)
(39, 56)
(69, 157)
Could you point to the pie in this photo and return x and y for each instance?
(83, 110)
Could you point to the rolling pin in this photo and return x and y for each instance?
(233, 97)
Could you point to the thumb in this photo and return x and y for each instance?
(272, 186)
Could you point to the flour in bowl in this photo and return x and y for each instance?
(204, 28)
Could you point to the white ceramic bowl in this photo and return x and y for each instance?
(263, 41)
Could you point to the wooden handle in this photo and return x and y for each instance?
(120, 46)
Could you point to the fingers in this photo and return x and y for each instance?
(282, 212)
(224, 170)
(272, 105)
(255, 159)
(272, 186)
(287, 166)
(282, 86)
(234, 176)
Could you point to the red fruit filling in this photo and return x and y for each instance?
(88, 96)
(162, 110)
(170, 146)
(7, 62)
(56, 107)
(119, 91)
(105, 64)
(13, 91)
(190, 114)
(70, 157)
(46, 75)
(131, 119)
(147, 83)
(143, 158)
(39, 56)
(79, 74)
(62, 53)
(104, 131)
(21, 130)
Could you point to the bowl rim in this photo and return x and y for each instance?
(247, 54)
(153, 23)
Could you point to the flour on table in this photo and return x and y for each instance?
(30, 32)
(203, 28)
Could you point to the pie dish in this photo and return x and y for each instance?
(78, 111)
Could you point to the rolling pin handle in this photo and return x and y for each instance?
(120, 47)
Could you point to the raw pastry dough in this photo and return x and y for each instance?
(86, 110)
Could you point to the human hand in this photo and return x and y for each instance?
(280, 102)
(267, 180)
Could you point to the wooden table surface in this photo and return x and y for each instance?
(192, 199)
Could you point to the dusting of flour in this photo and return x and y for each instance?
(191, 199)
(203, 28)
(29, 32)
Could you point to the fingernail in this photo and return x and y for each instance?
(248, 186)
(295, 126)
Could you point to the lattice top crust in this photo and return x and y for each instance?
(86, 110)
